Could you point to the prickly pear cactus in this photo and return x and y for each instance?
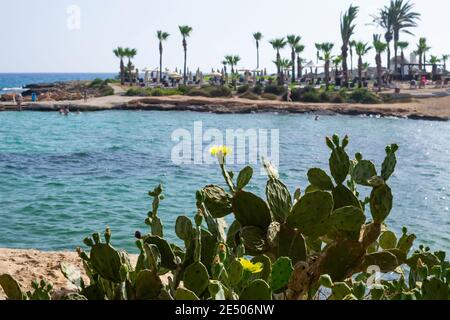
(244, 177)
(267, 266)
(386, 261)
(389, 163)
(106, 261)
(184, 229)
(363, 171)
(196, 278)
(250, 210)
(254, 240)
(279, 199)
(168, 259)
(11, 287)
(148, 285)
(339, 160)
(348, 219)
(281, 273)
(311, 214)
(291, 244)
(320, 179)
(217, 201)
(343, 197)
(185, 294)
(256, 290)
(381, 203)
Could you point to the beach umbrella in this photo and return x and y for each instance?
(215, 74)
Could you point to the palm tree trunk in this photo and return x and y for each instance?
(122, 72)
(185, 59)
(389, 56)
(160, 61)
(351, 63)
(360, 66)
(299, 67)
(129, 72)
(327, 73)
(293, 65)
(379, 70)
(257, 55)
(344, 63)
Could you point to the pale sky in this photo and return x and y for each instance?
(36, 36)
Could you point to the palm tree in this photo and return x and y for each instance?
(444, 60)
(379, 47)
(347, 29)
(422, 48)
(403, 19)
(225, 63)
(277, 45)
(130, 54)
(351, 46)
(257, 36)
(434, 60)
(232, 61)
(384, 19)
(283, 64)
(318, 49)
(298, 50)
(402, 45)
(326, 48)
(361, 49)
(293, 42)
(185, 33)
(120, 53)
(336, 62)
(162, 36)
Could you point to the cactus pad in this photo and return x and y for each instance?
(168, 259)
(389, 163)
(291, 244)
(106, 261)
(339, 165)
(348, 218)
(11, 287)
(386, 261)
(388, 240)
(217, 201)
(279, 199)
(196, 278)
(267, 266)
(185, 294)
(381, 203)
(256, 290)
(435, 289)
(148, 285)
(363, 171)
(254, 240)
(183, 228)
(244, 177)
(281, 273)
(251, 210)
(311, 214)
(319, 178)
(344, 197)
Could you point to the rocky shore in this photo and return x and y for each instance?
(434, 105)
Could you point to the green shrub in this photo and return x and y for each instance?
(363, 96)
(324, 96)
(197, 92)
(243, 89)
(138, 92)
(249, 95)
(221, 91)
(258, 89)
(322, 243)
(274, 89)
(269, 96)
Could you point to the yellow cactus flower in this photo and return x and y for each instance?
(220, 151)
(250, 266)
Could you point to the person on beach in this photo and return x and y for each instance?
(289, 95)
(85, 95)
(19, 101)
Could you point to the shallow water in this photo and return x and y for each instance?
(62, 178)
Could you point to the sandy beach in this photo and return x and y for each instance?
(28, 265)
(422, 105)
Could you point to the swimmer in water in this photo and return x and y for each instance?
(316, 118)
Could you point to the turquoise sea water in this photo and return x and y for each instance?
(62, 178)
